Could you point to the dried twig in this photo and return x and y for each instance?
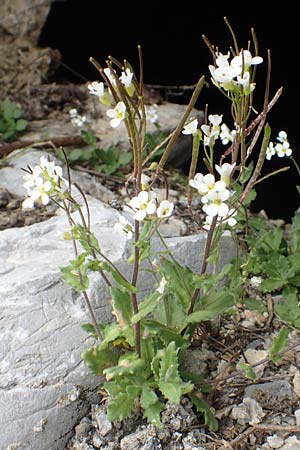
(63, 141)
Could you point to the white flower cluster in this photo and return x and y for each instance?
(146, 205)
(42, 182)
(76, 119)
(281, 148)
(234, 76)
(214, 194)
(213, 131)
(118, 113)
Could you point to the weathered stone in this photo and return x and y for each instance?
(23, 18)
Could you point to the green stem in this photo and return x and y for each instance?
(134, 279)
(204, 262)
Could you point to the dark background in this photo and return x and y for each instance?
(174, 53)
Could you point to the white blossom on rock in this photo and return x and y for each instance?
(124, 227)
(42, 182)
(214, 203)
(165, 209)
(143, 204)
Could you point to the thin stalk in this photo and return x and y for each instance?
(193, 165)
(85, 295)
(180, 126)
(204, 262)
(134, 279)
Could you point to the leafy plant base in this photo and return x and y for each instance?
(218, 346)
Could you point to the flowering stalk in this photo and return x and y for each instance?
(180, 126)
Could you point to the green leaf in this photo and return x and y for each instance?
(21, 124)
(246, 173)
(170, 383)
(253, 304)
(165, 334)
(248, 371)
(288, 309)
(295, 233)
(202, 407)
(75, 155)
(180, 278)
(215, 303)
(118, 277)
(124, 158)
(279, 343)
(129, 363)
(111, 332)
(122, 306)
(76, 273)
(278, 272)
(120, 406)
(146, 306)
(97, 359)
(152, 413)
(10, 109)
(88, 137)
(148, 397)
(169, 310)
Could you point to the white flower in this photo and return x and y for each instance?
(235, 74)
(165, 209)
(117, 114)
(43, 181)
(110, 76)
(143, 204)
(151, 113)
(162, 284)
(145, 181)
(206, 183)
(245, 59)
(215, 203)
(212, 131)
(191, 127)
(73, 112)
(124, 227)
(283, 149)
(244, 81)
(224, 73)
(230, 220)
(40, 191)
(270, 151)
(225, 171)
(255, 281)
(282, 136)
(126, 79)
(97, 88)
(226, 135)
(76, 119)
